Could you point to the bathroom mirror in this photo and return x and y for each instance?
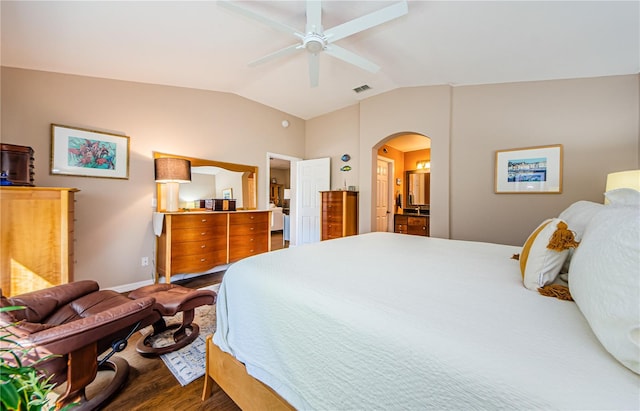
(417, 188)
(209, 179)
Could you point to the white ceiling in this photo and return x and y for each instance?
(204, 46)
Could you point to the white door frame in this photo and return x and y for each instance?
(292, 182)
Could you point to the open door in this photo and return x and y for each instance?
(311, 177)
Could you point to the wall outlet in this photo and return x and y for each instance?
(145, 261)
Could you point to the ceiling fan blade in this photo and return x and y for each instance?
(280, 53)
(314, 16)
(367, 21)
(352, 58)
(314, 69)
(258, 17)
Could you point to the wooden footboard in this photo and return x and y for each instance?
(231, 375)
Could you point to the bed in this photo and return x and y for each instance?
(391, 321)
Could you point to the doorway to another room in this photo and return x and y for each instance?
(398, 158)
(279, 201)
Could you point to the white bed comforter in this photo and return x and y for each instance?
(388, 321)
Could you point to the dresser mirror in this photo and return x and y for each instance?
(417, 188)
(214, 179)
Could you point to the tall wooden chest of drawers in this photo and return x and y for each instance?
(197, 242)
(339, 214)
(37, 228)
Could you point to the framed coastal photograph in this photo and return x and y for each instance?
(529, 170)
(227, 193)
(88, 153)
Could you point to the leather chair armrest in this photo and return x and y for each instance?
(69, 337)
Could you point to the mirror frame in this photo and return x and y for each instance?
(407, 175)
(197, 162)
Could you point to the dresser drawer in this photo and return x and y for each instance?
(198, 263)
(198, 220)
(242, 249)
(205, 232)
(249, 218)
(180, 249)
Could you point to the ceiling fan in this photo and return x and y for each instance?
(316, 40)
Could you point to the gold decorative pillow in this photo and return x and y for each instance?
(544, 253)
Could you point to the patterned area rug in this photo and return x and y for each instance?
(188, 363)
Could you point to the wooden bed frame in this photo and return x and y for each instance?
(231, 375)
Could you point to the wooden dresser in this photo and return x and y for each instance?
(199, 241)
(37, 229)
(339, 214)
(411, 224)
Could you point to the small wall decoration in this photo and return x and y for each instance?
(345, 168)
(346, 157)
(529, 170)
(227, 193)
(88, 153)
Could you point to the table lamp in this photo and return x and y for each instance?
(623, 179)
(171, 172)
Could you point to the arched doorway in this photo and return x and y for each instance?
(395, 156)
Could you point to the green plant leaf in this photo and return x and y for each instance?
(9, 396)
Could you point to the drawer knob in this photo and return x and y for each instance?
(204, 220)
(203, 233)
(202, 260)
(252, 217)
(250, 251)
(203, 246)
(252, 228)
(251, 239)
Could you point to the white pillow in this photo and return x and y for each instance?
(604, 279)
(538, 264)
(578, 215)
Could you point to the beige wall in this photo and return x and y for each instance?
(332, 136)
(596, 120)
(113, 228)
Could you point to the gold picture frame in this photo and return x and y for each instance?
(529, 170)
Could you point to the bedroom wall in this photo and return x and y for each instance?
(113, 228)
(595, 119)
(333, 135)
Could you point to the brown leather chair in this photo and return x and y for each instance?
(76, 322)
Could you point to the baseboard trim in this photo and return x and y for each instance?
(130, 287)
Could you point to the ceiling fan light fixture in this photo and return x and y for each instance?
(314, 43)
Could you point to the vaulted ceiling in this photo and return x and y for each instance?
(202, 45)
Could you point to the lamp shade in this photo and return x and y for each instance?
(623, 179)
(287, 194)
(172, 170)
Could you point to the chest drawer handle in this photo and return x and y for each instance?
(252, 217)
(204, 220)
(252, 228)
(203, 246)
(202, 260)
(203, 233)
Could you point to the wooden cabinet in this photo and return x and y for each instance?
(198, 242)
(339, 214)
(37, 229)
(409, 224)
